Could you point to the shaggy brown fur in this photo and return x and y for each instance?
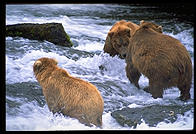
(117, 39)
(71, 96)
(161, 58)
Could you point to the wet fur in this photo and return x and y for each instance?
(71, 96)
(161, 58)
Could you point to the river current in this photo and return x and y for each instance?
(87, 25)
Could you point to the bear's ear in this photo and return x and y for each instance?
(160, 28)
(141, 22)
(122, 21)
(38, 63)
(110, 34)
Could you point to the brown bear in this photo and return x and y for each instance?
(65, 94)
(117, 39)
(161, 58)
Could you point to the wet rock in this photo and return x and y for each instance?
(152, 115)
(52, 32)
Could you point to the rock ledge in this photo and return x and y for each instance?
(52, 32)
(152, 115)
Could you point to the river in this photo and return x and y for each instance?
(87, 25)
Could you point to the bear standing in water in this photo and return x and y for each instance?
(161, 58)
(71, 96)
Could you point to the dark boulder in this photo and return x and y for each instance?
(52, 32)
(152, 115)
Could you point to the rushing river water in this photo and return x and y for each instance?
(87, 25)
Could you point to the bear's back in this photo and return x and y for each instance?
(151, 40)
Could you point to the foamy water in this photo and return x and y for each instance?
(25, 112)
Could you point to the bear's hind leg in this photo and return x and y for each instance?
(184, 92)
(82, 119)
(97, 120)
(156, 89)
(89, 120)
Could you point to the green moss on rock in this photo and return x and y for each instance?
(52, 32)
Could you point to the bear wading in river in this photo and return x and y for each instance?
(65, 94)
(117, 39)
(161, 58)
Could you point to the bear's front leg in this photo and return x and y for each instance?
(133, 74)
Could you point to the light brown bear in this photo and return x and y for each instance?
(161, 58)
(65, 94)
(117, 39)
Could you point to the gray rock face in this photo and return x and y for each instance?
(152, 115)
(52, 32)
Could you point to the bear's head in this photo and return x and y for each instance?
(119, 39)
(153, 26)
(43, 63)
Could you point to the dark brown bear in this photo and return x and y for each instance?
(161, 58)
(117, 39)
(71, 96)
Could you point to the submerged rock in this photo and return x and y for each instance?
(152, 115)
(52, 32)
(31, 91)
